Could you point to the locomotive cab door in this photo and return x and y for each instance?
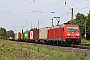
(63, 34)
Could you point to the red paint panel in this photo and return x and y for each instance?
(55, 33)
(51, 33)
(22, 36)
(36, 34)
(19, 36)
(28, 35)
(59, 33)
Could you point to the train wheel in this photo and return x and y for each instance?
(66, 43)
(57, 43)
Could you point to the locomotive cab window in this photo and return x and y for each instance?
(72, 28)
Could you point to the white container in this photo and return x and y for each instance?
(43, 33)
(31, 34)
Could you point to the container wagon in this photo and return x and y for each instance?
(27, 35)
(18, 36)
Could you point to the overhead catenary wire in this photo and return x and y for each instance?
(77, 10)
(60, 8)
(37, 10)
(19, 7)
(45, 20)
(10, 11)
(49, 5)
(67, 13)
(27, 4)
(24, 5)
(70, 4)
(32, 11)
(28, 12)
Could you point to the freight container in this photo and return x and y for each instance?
(43, 33)
(15, 36)
(22, 36)
(31, 35)
(36, 34)
(18, 36)
(27, 35)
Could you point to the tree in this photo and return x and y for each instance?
(10, 34)
(6, 34)
(88, 26)
(33, 29)
(2, 33)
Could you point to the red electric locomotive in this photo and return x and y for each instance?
(66, 34)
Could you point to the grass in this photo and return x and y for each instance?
(19, 51)
(85, 41)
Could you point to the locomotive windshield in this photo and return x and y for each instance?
(72, 28)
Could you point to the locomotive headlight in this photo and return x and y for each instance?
(68, 34)
(77, 34)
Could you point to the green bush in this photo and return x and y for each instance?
(85, 41)
(2, 37)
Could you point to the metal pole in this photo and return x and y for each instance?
(38, 23)
(85, 29)
(22, 28)
(31, 25)
(52, 22)
(72, 15)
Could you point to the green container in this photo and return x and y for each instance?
(26, 35)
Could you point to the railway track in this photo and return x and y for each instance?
(83, 49)
(83, 46)
(77, 49)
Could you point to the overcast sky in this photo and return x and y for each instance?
(16, 13)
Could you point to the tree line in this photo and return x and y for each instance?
(6, 34)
